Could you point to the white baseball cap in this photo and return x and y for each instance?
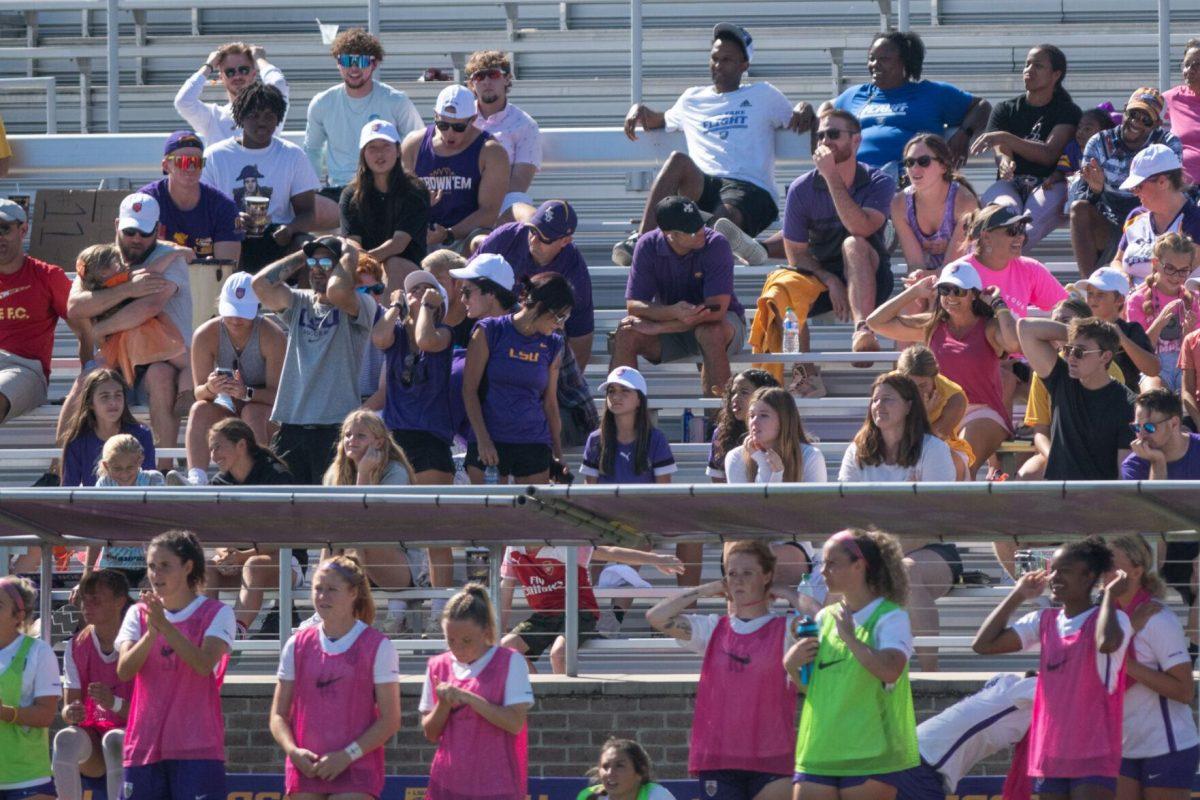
(417, 277)
(378, 129)
(1107, 279)
(488, 265)
(455, 102)
(1151, 160)
(628, 377)
(138, 210)
(237, 297)
(961, 274)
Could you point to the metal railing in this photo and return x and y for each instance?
(49, 85)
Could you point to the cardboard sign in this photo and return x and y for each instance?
(67, 220)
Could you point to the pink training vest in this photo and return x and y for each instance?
(92, 668)
(175, 714)
(475, 760)
(1076, 727)
(333, 703)
(745, 715)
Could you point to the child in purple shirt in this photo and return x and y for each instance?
(627, 448)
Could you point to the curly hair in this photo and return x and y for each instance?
(357, 42)
(258, 96)
(487, 59)
(911, 48)
(730, 430)
(1093, 552)
(885, 573)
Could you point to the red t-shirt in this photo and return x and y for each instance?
(545, 579)
(32, 300)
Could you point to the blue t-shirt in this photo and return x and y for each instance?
(211, 221)
(82, 455)
(517, 373)
(424, 404)
(658, 455)
(1187, 468)
(890, 117)
(660, 275)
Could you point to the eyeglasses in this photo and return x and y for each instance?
(350, 61)
(1145, 427)
(495, 73)
(187, 163)
(1075, 351)
(944, 289)
(409, 372)
(918, 161)
(319, 263)
(1140, 117)
(1175, 272)
(242, 70)
(831, 134)
(134, 232)
(458, 127)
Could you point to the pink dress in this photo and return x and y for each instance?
(333, 702)
(93, 668)
(972, 364)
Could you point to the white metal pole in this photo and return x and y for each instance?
(373, 17)
(635, 51)
(285, 596)
(114, 71)
(44, 609)
(1164, 44)
(902, 15)
(571, 609)
(51, 105)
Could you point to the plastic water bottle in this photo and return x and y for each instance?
(491, 475)
(805, 627)
(687, 425)
(791, 332)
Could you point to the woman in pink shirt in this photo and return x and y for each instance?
(1182, 112)
(999, 233)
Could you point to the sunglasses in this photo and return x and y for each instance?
(830, 134)
(319, 263)
(374, 288)
(1013, 230)
(918, 161)
(134, 232)
(562, 316)
(1075, 351)
(409, 372)
(351, 61)
(188, 163)
(242, 70)
(945, 289)
(458, 127)
(1146, 427)
(1140, 117)
(495, 73)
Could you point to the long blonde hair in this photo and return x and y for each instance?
(1135, 548)
(792, 438)
(343, 471)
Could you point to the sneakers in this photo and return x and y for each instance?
(622, 252)
(176, 478)
(195, 477)
(744, 246)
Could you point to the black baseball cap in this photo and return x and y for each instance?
(331, 243)
(678, 213)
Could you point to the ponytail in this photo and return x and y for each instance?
(349, 569)
(472, 604)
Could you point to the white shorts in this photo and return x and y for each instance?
(512, 198)
(22, 382)
(980, 411)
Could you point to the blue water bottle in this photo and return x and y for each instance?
(804, 627)
(491, 475)
(687, 425)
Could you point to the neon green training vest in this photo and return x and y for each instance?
(26, 750)
(592, 792)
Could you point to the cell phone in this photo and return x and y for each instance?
(224, 373)
(713, 307)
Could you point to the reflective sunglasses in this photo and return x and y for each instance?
(944, 289)
(831, 134)
(1147, 427)
(918, 161)
(495, 73)
(562, 316)
(374, 288)
(1075, 351)
(188, 163)
(458, 127)
(134, 232)
(242, 70)
(319, 263)
(350, 61)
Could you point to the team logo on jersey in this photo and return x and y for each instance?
(745, 104)
(521, 355)
(722, 124)
(710, 788)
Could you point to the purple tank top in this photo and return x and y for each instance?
(936, 243)
(453, 181)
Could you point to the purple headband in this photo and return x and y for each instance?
(10, 586)
(347, 575)
(846, 540)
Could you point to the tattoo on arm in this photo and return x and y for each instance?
(679, 626)
(283, 270)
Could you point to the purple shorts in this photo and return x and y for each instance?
(921, 782)
(733, 784)
(176, 779)
(46, 788)
(847, 781)
(1168, 771)
(1063, 786)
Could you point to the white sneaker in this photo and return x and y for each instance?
(744, 246)
(608, 626)
(176, 478)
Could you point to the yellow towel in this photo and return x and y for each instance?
(784, 289)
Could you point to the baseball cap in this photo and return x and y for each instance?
(554, 219)
(676, 213)
(420, 276)
(1148, 99)
(1107, 279)
(11, 211)
(138, 210)
(727, 30)
(237, 297)
(628, 377)
(488, 265)
(378, 129)
(331, 243)
(1001, 216)
(1151, 160)
(181, 139)
(455, 102)
(961, 274)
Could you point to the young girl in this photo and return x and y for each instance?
(102, 414)
(29, 692)
(1160, 747)
(937, 200)
(473, 706)
(96, 701)
(859, 677)
(174, 645)
(776, 448)
(627, 448)
(624, 772)
(338, 698)
(1091, 122)
(1105, 291)
(895, 442)
(1081, 672)
(1165, 307)
(945, 402)
(731, 419)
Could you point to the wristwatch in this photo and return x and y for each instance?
(450, 238)
(398, 306)
(249, 394)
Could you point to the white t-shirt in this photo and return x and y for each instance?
(935, 464)
(335, 122)
(1107, 664)
(517, 687)
(811, 471)
(893, 631)
(387, 663)
(1160, 645)
(71, 678)
(279, 171)
(223, 625)
(517, 132)
(732, 135)
(704, 625)
(976, 727)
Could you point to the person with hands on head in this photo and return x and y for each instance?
(174, 645)
(1081, 666)
(1106, 291)
(235, 66)
(30, 688)
(1167, 307)
(337, 702)
(95, 701)
(945, 402)
(1157, 180)
(937, 199)
(743, 733)
(624, 772)
(776, 448)
(859, 676)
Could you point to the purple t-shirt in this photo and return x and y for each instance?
(211, 221)
(1187, 468)
(512, 241)
(82, 455)
(660, 275)
(810, 217)
(658, 455)
(423, 404)
(517, 373)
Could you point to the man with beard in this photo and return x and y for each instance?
(337, 115)
(489, 76)
(236, 65)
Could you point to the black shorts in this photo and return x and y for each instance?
(307, 450)
(949, 553)
(543, 627)
(334, 193)
(1177, 571)
(425, 451)
(515, 459)
(830, 259)
(755, 203)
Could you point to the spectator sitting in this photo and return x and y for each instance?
(1156, 178)
(1166, 308)
(937, 199)
(192, 213)
(729, 167)
(1028, 134)
(680, 299)
(33, 297)
(337, 116)
(257, 164)
(731, 428)
(1091, 122)
(998, 232)
(489, 76)
(1182, 109)
(627, 448)
(776, 448)
(384, 208)
(1097, 204)
(120, 464)
(101, 414)
(464, 168)
(1106, 289)
(895, 442)
(1089, 433)
(945, 402)
(236, 65)
(236, 361)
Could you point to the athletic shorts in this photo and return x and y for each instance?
(983, 411)
(922, 782)
(1168, 771)
(675, 346)
(22, 382)
(176, 779)
(756, 205)
(515, 459)
(1064, 786)
(847, 781)
(733, 784)
(949, 553)
(425, 451)
(542, 628)
(29, 791)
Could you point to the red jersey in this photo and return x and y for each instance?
(32, 300)
(544, 577)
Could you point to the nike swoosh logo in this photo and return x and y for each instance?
(826, 664)
(1053, 667)
(1152, 777)
(12, 291)
(324, 683)
(741, 659)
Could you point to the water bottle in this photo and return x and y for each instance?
(687, 425)
(791, 332)
(491, 475)
(802, 628)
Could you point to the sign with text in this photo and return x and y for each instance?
(67, 220)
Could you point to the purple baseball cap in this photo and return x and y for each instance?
(181, 139)
(553, 220)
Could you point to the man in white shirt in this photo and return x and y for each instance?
(337, 115)
(489, 76)
(729, 168)
(236, 65)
